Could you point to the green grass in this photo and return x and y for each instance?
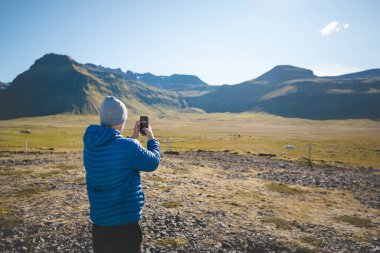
(172, 242)
(10, 222)
(309, 239)
(305, 250)
(172, 204)
(48, 174)
(46, 138)
(80, 180)
(234, 204)
(283, 188)
(355, 220)
(153, 178)
(181, 170)
(7, 220)
(337, 142)
(17, 173)
(5, 211)
(29, 192)
(281, 223)
(65, 167)
(345, 141)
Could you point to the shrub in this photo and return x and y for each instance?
(281, 223)
(153, 178)
(283, 188)
(64, 167)
(172, 242)
(10, 222)
(354, 220)
(311, 240)
(29, 192)
(14, 172)
(48, 174)
(80, 180)
(172, 204)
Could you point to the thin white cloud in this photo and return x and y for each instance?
(330, 28)
(333, 27)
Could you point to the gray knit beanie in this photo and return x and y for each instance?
(112, 112)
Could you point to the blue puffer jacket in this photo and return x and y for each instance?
(113, 164)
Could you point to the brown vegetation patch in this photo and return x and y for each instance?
(355, 220)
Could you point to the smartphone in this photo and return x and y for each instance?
(144, 122)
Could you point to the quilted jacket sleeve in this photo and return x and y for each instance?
(146, 159)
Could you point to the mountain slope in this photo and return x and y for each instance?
(173, 82)
(50, 86)
(284, 73)
(299, 94)
(320, 99)
(3, 86)
(57, 84)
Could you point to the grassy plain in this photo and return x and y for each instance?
(337, 142)
(49, 188)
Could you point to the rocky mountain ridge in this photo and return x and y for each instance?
(295, 92)
(57, 84)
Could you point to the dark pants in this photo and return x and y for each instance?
(118, 239)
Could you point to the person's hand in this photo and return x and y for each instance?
(149, 132)
(136, 130)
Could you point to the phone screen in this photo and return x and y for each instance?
(144, 122)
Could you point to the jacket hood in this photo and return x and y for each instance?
(96, 136)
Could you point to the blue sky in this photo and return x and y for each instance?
(222, 42)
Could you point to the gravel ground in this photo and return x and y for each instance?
(58, 221)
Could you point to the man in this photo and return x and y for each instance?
(113, 164)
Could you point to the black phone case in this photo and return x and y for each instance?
(143, 125)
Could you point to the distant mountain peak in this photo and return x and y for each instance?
(283, 73)
(100, 68)
(172, 82)
(53, 60)
(3, 85)
(57, 84)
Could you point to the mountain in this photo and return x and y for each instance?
(173, 82)
(3, 85)
(299, 94)
(284, 73)
(57, 84)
